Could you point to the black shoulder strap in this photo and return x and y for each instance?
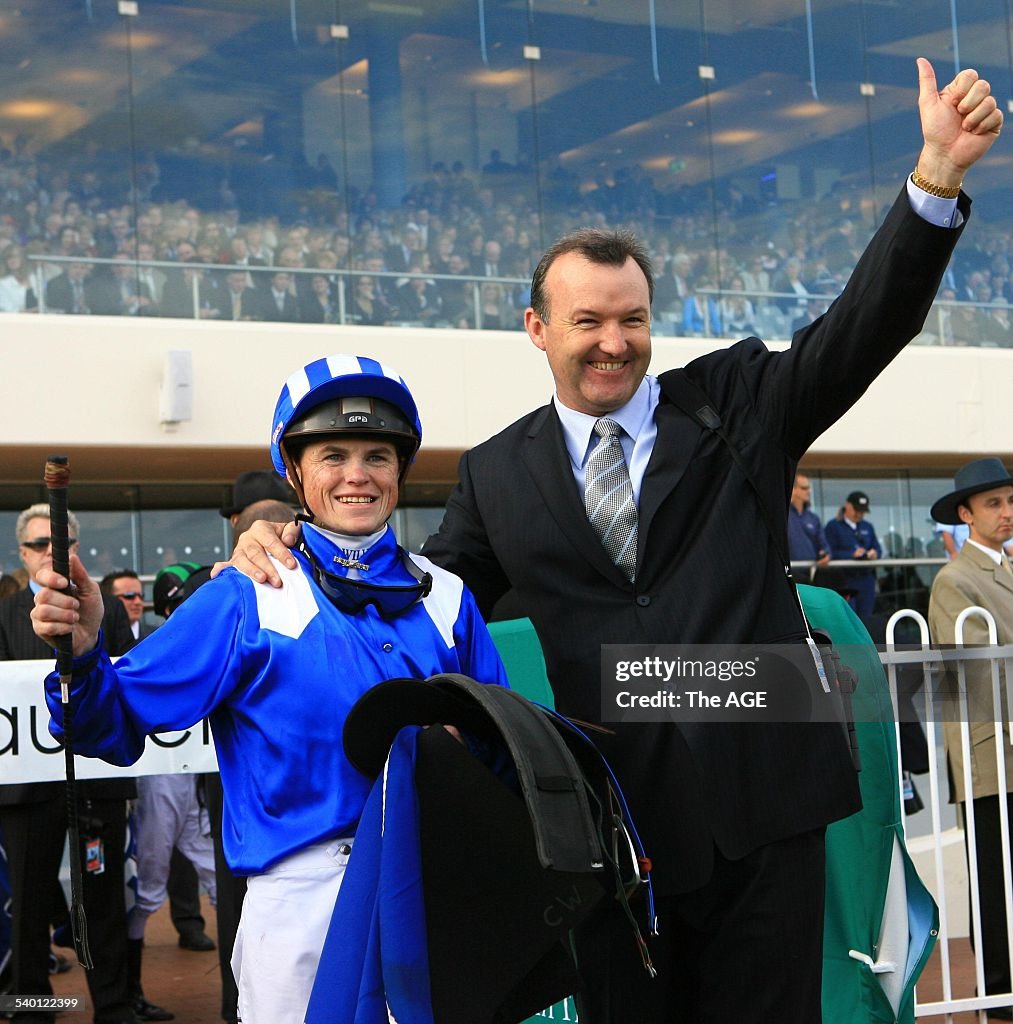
(687, 395)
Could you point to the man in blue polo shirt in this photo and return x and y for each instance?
(806, 540)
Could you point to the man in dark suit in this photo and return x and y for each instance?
(66, 293)
(116, 290)
(724, 810)
(732, 816)
(126, 585)
(33, 820)
(237, 301)
(278, 303)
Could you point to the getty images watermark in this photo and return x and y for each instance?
(795, 682)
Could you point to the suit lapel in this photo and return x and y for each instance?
(549, 464)
(677, 440)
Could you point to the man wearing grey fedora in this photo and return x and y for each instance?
(980, 574)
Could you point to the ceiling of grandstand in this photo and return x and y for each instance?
(792, 79)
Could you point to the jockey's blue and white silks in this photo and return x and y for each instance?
(276, 671)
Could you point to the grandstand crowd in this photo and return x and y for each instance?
(457, 252)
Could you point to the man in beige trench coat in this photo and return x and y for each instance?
(980, 575)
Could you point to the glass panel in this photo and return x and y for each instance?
(182, 535)
(415, 525)
(738, 138)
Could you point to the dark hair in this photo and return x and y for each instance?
(611, 248)
(107, 581)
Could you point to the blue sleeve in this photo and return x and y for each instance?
(171, 680)
(475, 648)
(821, 542)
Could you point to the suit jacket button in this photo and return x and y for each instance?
(643, 600)
(388, 648)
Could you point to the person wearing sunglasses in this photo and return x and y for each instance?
(125, 585)
(277, 671)
(33, 818)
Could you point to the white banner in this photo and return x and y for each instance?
(28, 753)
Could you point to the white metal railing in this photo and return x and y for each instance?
(933, 663)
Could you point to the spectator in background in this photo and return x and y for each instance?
(789, 280)
(168, 818)
(125, 585)
(701, 316)
(489, 263)
(815, 307)
(183, 883)
(118, 292)
(365, 305)
(278, 303)
(952, 537)
(318, 305)
(736, 310)
(400, 256)
(152, 277)
(806, 539)
(496, 314)
(999, 330)
(457, 296)
(852, 536)
(673, 287)
(187, 295)
(980, 574)
(756, 279)
(418, 299)
(33, 818)
(968, 324)
(65, 293)
(17, 293)
(237, 300)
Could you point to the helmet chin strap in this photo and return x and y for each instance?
(295, 481)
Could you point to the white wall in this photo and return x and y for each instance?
(93, 381)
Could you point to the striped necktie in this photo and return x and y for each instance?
(608, 497)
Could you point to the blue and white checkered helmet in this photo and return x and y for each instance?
(346, 394)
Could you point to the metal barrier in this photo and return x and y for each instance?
(933, 662)
(769, 321)
(341, 280)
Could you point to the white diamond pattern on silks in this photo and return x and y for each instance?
(608, 497)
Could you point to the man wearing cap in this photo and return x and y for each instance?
(980, 575)
(252, 487)
(276, 672)
(852, 536)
